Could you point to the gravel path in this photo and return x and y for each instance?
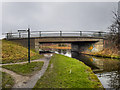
(32, 81)
(18, 78)
(26, 81)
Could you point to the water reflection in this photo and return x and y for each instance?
(88, 61)
(66, 52)
(105, 64)
(110, 79)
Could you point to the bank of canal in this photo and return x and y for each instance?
(66, 72)
(106, 69)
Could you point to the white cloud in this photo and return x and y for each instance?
(60, 0)
(56, 16)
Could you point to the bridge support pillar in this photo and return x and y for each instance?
(75, 47)
(37, 44)
(79, 47)
(84, 47)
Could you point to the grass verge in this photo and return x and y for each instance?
(103, 55)
(7, 80)
(65, 72)
(13, 52)
(25, 69)
(108, 52)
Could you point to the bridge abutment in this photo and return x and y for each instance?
(75, 47)
(85, 47)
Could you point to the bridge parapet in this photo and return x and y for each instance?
(33, 34)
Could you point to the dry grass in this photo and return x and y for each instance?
(13, 52)
(107, 52)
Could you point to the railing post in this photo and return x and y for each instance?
(99, 34)
(7, 36)
(80, 33)
(60, 33)
(29, 45)
(19, 35)
(40, 33)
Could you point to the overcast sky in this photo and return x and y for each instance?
(57, 15)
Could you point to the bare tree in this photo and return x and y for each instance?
(114, 35)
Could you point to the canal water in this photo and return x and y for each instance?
(107, 70)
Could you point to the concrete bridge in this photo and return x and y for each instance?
(79, 42)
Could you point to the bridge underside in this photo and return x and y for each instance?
(78, 44)
(82, 46)
(65, 39)
(69, 42)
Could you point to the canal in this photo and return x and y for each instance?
(106, 69)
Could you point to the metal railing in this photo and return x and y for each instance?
(56, 34)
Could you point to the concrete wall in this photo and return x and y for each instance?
(65, 39)
(24, 42)
(88, 46)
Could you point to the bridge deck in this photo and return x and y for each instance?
(59, 37)
(56, 34)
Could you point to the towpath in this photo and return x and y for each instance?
(27, 81)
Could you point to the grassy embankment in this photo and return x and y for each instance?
(7, 80)
(106, 53)
(65, 72)
(13, 52)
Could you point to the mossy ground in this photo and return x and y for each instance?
(13, 52)
(25, 69)
(7, 80)
(65, 72)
